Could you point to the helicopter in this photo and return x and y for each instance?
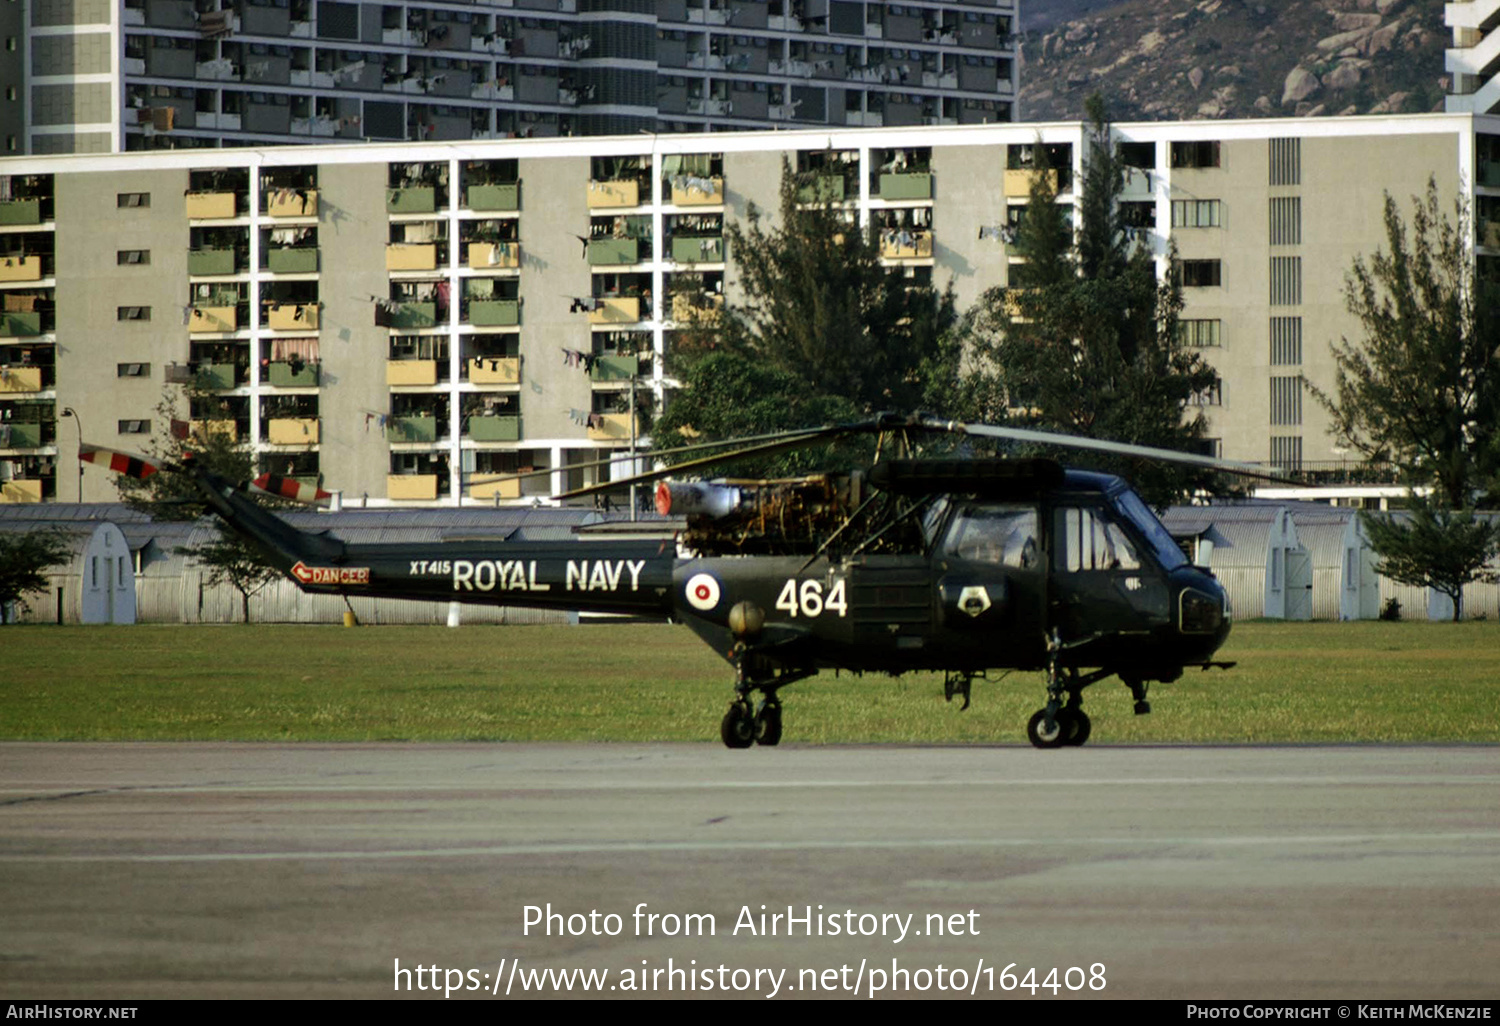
(955, 565)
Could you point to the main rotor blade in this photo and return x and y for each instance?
(1102, 445)
(643, 454)
(794, 441)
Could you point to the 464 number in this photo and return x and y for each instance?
(807, 598)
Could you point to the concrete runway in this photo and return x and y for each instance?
(290, 871)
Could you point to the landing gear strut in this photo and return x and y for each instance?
(747, 722)
(1062, 720)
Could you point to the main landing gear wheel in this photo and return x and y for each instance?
(1039, 735)
(738, 728)
(1082, 726)
(768, 724)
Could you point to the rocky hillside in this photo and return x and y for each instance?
(1164, 60)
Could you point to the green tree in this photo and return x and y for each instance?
(1083, 339)
(171, 494)
(233, 561)
(1421, 390)
(24, 561)
(824, 332)
(1439, 548)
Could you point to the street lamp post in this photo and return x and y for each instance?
(68, 411)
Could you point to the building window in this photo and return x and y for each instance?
(132, 370)
(1199, 334)
(1286, 341)
(1195, 214)
(132, 313)
(1286, 452)
(1286, 161)
(126, 257)
(1286, 401)
(1286, 221)
(1213, 395)
(1199, 273)
(1286, 281)
(1195, 154)
(132, 199)
(135, 427)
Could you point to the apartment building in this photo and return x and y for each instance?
(1473, 60)
(401, 322)
(96, 76)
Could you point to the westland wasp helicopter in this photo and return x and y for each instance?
(961, 566)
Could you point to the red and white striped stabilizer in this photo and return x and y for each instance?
(127, 463)
(290, 488)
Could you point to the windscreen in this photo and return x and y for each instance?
(1139, 514)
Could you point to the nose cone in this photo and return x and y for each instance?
(1203, 610)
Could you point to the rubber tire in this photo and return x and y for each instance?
(737, 728)
(768, 725)
(1082, 726)
(1056, 740)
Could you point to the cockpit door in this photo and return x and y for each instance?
(1102, 584)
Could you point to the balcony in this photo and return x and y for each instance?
(211, 261)
(226, 429)
(614, 251)
(293, 431)
(906, 187)
(493, 429)
(21, 211)
(904, 245)
(20, 379)
(411, 486)
(412, 429)
(505, 196)
(211, 205)
(489, 255)
(622, 193)
(21, 490)
(1017, 184)
(496, 490)
(292, 203)
(823, 189)
(411, 256)
(495, 370)
(411, 372)
(215, 376)
(1489, 234)
(615, 310)
(611, 427)
(21, 435)
(213, 318)
(411, 315)
(292, 317)
(21, 268)
(615, 368)
(691, 191)
(302, 260)
(20, 323)
(494, 313)
(283, 374)
(708, 250)
(416, 199)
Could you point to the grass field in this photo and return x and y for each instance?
(1323, 682)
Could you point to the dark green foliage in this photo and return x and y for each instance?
(1083, 341)
(824, 333)
(1438, 548)
(1422, 388)
(24, 560)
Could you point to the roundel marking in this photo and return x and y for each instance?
(702, 592)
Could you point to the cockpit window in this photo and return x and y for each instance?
(1086, 539)
(1004, 535)
(1133, 508)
